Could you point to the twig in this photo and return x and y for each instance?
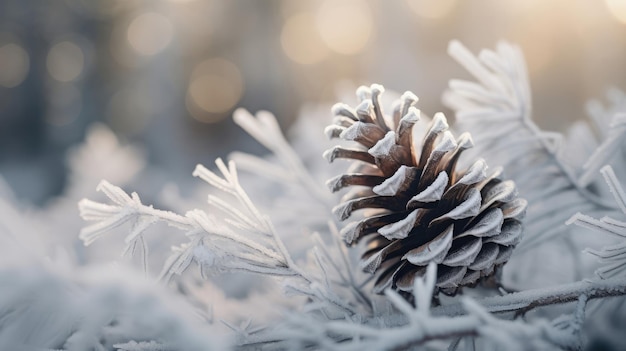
(525, 301)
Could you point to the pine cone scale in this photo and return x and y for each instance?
(464, 253)
(434, 250)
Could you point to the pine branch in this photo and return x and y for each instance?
(245, 241)
(265, 129)
(497, 111)
(524, 301)
(422, 324)
(202, 230)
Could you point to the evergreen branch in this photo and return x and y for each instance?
(265, 129)
(497, 110)
(524, 301)
(422, 324)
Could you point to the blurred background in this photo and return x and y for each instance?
(167, 74)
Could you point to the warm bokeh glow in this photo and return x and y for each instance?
(301, 41)
(150, 33)
(345, 26)
(216, 86)
(618, 9)
(65, 61)
(431, 9)
(14, 65)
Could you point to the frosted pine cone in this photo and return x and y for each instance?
(418, 207)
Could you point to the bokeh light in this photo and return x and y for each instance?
(618, 9)
(301, 41)
(431, 9)
(150, 33)
(65, 61)
(14, 65)
(215, 87)
(144, 67)
(345, 26)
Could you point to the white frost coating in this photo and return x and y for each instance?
(333, 131)
(465, 141)
(475, 91)
(373, 262)
(504, 254)
(485, 258)
(366, 107)
(434, 191)
(343, 210)
(95, 211)
(263, 128)
(360, 131)
(447, 143)
(452, 278)
(409, 96)
(476, 173)
(406, 123)
(473, 66)
(95, 231)
(603, 153)
(489, 225)
(392, 184)
(350, 231)
(468, 208)
(377, 89)
(510, 235)
(399, 229)
(515, 209)
(439, 123)
(203, 173)
(341, 109)
(470, 277)
(465, 255)
(612, 257)
(363, 93)
(384, 145)
(423, 290)
(497, 111)
(615, 187)
(504, 192)
(141, 346)
(331, 154)
(335, 183)
(412, 116)
(262, 166)
(433, 251)
(114, 193)
(356, 130)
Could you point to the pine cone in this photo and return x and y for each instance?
(418, 207)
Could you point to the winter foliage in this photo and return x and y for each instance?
(261, 263)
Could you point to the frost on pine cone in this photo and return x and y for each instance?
(418, 207)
